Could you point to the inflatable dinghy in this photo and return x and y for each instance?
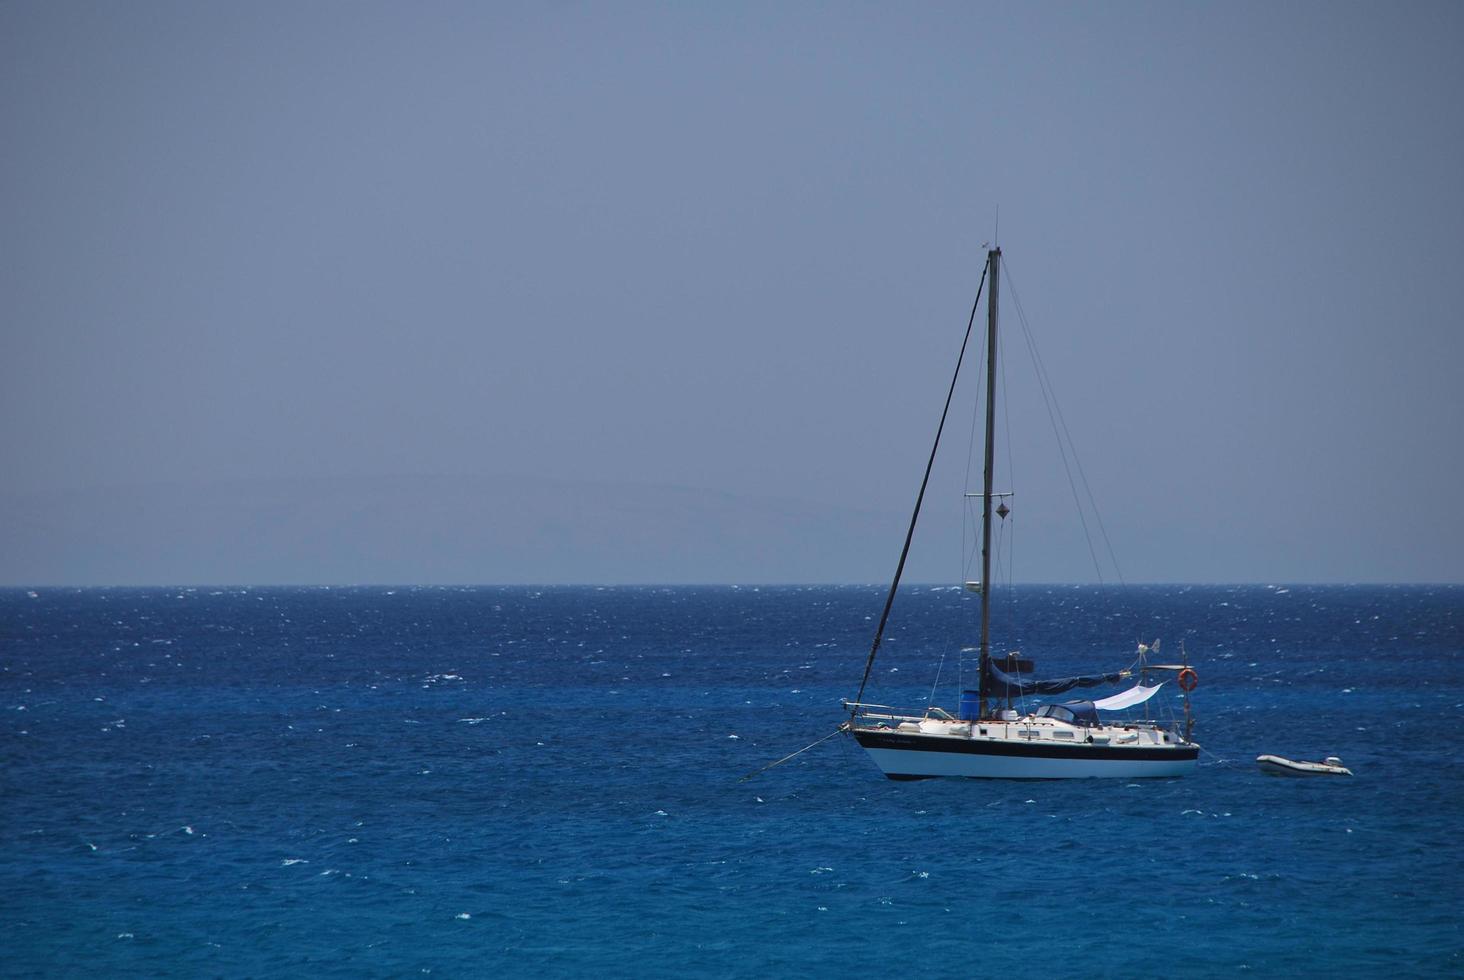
(1275, 765)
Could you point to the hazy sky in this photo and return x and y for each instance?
(732, 247)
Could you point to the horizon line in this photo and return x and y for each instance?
(711, 585)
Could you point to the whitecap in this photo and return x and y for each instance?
(289, 861)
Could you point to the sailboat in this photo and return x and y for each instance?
(989, 736)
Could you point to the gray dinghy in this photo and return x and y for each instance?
(1275, 765)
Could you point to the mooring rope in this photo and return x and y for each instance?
(838, 731)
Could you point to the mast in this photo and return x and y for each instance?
(993, 263)
(914, 517)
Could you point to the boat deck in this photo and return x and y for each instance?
(912, 747)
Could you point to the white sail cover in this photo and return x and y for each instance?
(1137, 694)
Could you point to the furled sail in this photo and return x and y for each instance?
(1000, 684)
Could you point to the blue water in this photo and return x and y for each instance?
(458, 781)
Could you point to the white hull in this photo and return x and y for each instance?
(1143, 753)
(900, 764)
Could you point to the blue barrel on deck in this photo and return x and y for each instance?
(970, 709)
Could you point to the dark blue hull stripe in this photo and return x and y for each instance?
(902, 742)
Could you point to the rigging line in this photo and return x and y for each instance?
(945, 654)
(1003, 573)
(1011, 566)
(939, 669)
(968, 558)
(1049, 399)
(1219, 761)
(837, 731)
(1008, 589)
(1010, 537)
(1082, 475)
(972, 553)
(1006, 417)
(965, 532)
(975, 416)
(1060, 432)
(910, 534)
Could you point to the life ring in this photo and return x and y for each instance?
(1188, 680)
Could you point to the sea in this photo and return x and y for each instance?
(518, 781)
